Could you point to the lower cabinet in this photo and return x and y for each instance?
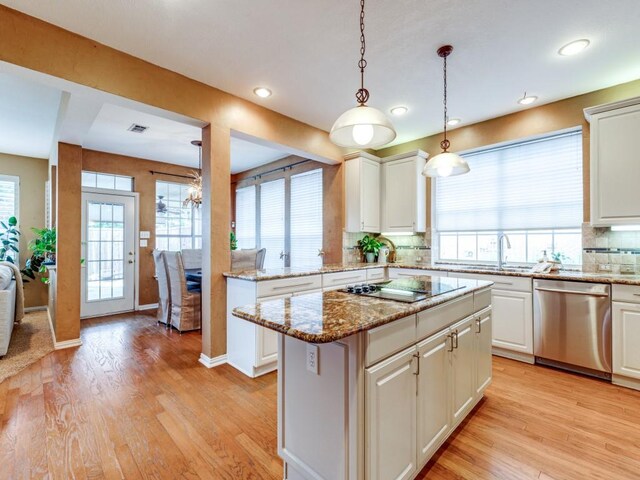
(513, 320)
(415, 399)
(626, 340)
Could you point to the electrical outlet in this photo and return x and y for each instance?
(627, 269)
(312, 358)
(605, 267)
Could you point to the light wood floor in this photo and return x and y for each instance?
(133, 402)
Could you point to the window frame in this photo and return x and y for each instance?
(16, 196)
(499, 232)
(193, 235)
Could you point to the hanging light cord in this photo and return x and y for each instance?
(362, 95)
(444, 52)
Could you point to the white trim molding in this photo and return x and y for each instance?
(212, 362)
(148, 306)
(76, 342)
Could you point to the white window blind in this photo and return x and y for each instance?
(246, 217)
(179, 227)
(272, 222)
(529, 185)
(306, 218)
(8, 197)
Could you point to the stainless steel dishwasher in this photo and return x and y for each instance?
(572, 326)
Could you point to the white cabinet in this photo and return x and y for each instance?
(404, 193)
(333, 281)
(484, 370)
(391, 417)
(362, 193)
(462, 369)
(625, 330)
(615, 169)
(395, 273)
(512, 320)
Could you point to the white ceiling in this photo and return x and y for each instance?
(306, 52)
(28, 114)
(246, 155)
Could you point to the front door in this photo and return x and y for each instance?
(108, 250)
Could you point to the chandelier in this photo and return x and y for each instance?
(195, 186)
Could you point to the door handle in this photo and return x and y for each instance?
(572, 292)
(455, 338)
(479, 325)
(450, 337)
(130, 261)
(417, 357)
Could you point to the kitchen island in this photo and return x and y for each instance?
(371, 388)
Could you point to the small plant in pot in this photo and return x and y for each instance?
(43, 252)
(370, 247)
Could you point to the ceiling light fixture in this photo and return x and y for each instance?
(399, 110)
(194, 198)
(161, 207)
(445, 164)
(527, 99)
(573, 48)
(262, 92)
(453, 122)
(362, 126)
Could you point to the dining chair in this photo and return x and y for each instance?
(192, 258)
(185, 304)
(248, 259)
(164, 302)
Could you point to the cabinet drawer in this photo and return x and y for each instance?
(375, 274)
(435, 319)
(626, 293)
(413, 272)
(384, 341)
(270, 288)
(503, 282)
(343, 278)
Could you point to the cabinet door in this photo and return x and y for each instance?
(615, 197)
(512, 318)
(462, 369)
(399, 208)
(370, 196)
(434, 409)
(626, 339)
(483, 351)
(391, 418)
(266, 346)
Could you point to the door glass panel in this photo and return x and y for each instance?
(105, 251)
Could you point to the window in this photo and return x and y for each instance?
(531, 191)
(104, 180)
(286, 213)
(9, 198)
(178, 227)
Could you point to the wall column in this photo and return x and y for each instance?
(216, 159)
(69, 232)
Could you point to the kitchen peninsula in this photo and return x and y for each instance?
(370, 388)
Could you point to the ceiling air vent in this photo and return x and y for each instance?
(135, 128)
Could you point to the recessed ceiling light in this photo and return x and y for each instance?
(399, 110)
(453, 121)
(527, 99)
(573, 48)
(262, 92)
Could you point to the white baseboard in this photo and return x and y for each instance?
(520, 357)
(41, 308)
(149, 306)
(625, 381)
(76, 342)
(212, 362)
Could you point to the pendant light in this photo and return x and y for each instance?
(362, 126)
(161, 207)
(195, 187)
(446, 164)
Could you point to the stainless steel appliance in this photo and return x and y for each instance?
(572, 326)
(406, 290)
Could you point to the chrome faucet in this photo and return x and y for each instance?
(502, 259)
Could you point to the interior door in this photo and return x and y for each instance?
(108, 240)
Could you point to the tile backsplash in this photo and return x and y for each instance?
(409, 248)
(610, 251)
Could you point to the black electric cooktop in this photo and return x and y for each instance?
(406, 290)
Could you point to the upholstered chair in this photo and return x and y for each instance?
(248, 259)
(192, 258)
(185, 304)
(164, 303)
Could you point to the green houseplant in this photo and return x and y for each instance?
(370, 247)
(233, 241)
(43, 252)
(9, 240)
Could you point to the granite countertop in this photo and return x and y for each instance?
(570, 275)
(325, 317)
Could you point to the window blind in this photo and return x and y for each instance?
(527, 185)
(246, 217)
(8, 197)
(306, 218)
(272, 211)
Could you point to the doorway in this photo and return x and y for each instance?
(108, 248)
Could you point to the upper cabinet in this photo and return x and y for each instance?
(362, 193)
(404, 193)
(615, 163)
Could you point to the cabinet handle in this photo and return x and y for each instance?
(479, 324)
(417, 357)
(450, 337)
(455, 337)
(283, 287)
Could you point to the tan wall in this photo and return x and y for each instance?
(533, 121)
(332, 197)
(37, 45)
(145, 185)
(33, 173)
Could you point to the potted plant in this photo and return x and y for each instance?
(43, 253)
(9, 240)
(370, 247)
(233, 241)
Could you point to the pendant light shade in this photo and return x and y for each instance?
(362, 126)
(445, 164)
